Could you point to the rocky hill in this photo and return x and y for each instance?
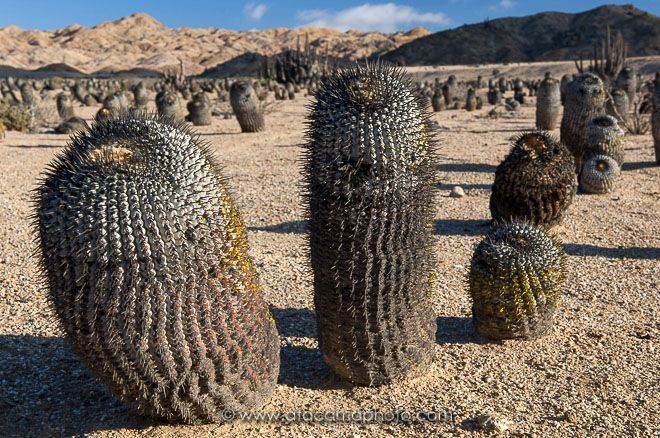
(140, 41)
(541, 37)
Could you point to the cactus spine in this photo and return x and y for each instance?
(516, 277)
(146, 263)
(368, 170)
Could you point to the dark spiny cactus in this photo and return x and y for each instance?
(563, 85)
(199, 110)
(147, 267)
(494, 96)
(449, 90)
(536, 182)
(516, 279)
(245, 104)
(548, 104)
(605, 137)
(471, 100)
(89, 100)
(74, 124)
(168, 105)
(64, 106)
(584, 101)
(655, 117)
(27, 95)
(599, 174)
(369, 178)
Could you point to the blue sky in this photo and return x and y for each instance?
(260, 14)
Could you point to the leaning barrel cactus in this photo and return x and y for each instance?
(516, 277)
(245, 104)
(168, 105)
(369, 179)
(147, 267)
(199, 110)
(604, 136)
(584, 100)
(548, 104)
(599, 174)
(536, 182)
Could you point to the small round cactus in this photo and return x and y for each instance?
(147, 267)
(548, 104)
(245, 104)
(585, 97)
(605, 137)
(516, 278)
(199, 110)
(369, 185)
(64, 106)
(536, 182)
(599, 174)
(168, 105)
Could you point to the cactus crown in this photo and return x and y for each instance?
(605, 121)
(536, 145)
(368, 118)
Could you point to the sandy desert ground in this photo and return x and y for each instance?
(595, 374)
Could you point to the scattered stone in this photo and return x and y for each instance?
(456, 192)
(490, 424)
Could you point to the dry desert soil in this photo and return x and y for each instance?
(596, 373)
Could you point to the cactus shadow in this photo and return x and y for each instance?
(301, 362)
(47, 391)
(639, 165)
(456, 330)
(295, 227)
(466, 167)
(449, 186)
(461, 227)
(633, 252)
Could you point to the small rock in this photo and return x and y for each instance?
(491, 424)
(456, 192)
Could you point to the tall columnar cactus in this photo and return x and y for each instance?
(146, 261)
(64, 106)
(599, 174)
(199, 110)
(655, 118)
(516, 278)
(471, 100)
(605, 137)
(548, 104)
(168, 105)
(584, 101)
(563, 86)
(449, 90)
(245, 104)
(140, 95)
(536, 182)
(369, 185)
(627, 81)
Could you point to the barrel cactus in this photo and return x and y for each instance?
(246, 106)
(627, 81)
(370, 159)
(584, 100)
(168, 105)
(64, 106)
(494, 96)
(599, 174)
(471, 100)
(449, 90)
(146, 262)
(604, 136)
(438, 101)
(618, 105)
(140, 95)
(548, 104)
(536, 182)
(516, 278)
(199, 110)
(563, 86)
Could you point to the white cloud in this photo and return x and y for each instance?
(254, 11)
(507, 4)
(384, 17)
